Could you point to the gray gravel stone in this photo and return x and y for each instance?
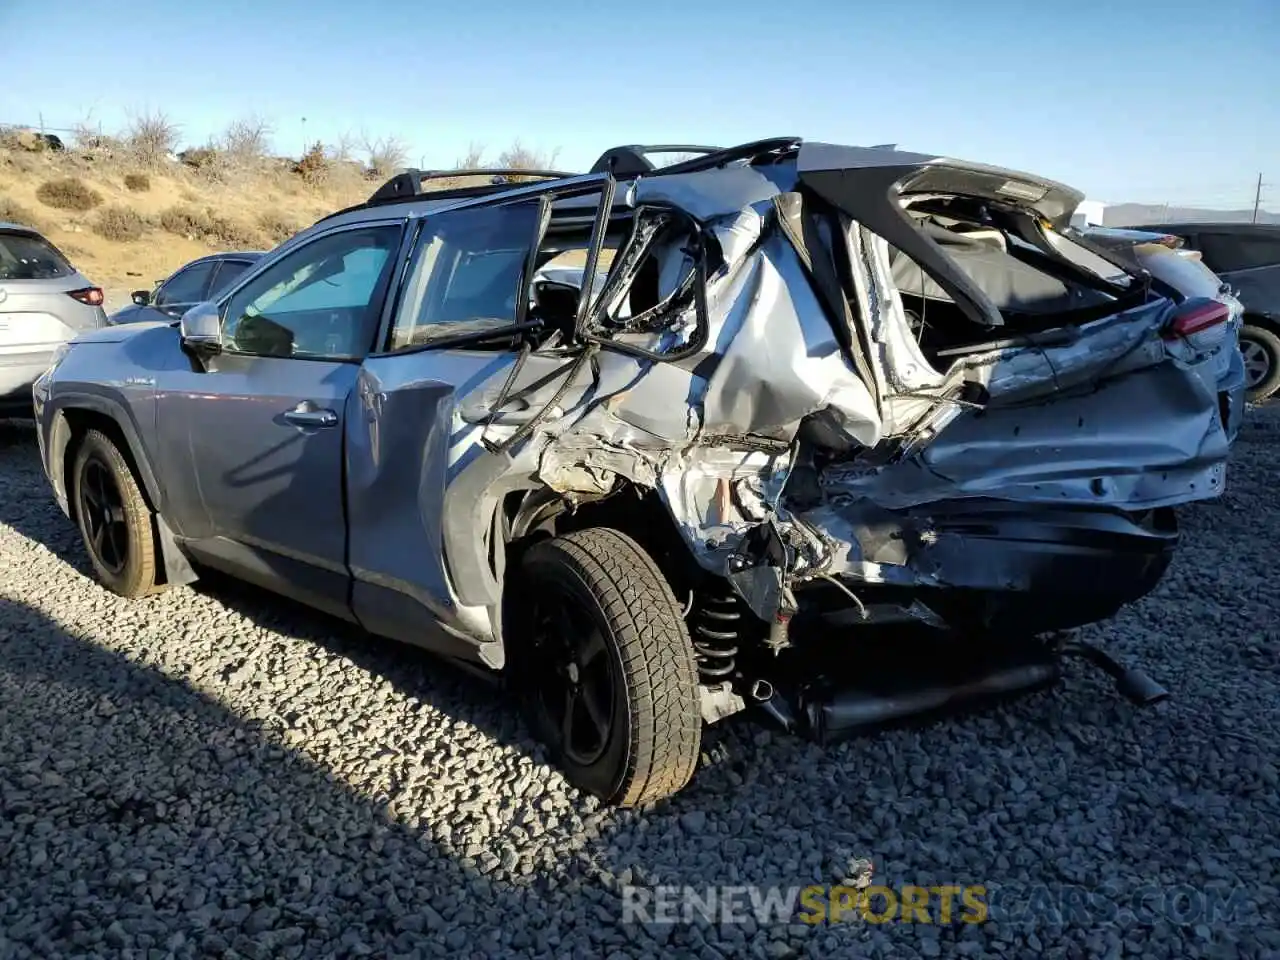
(214, 770)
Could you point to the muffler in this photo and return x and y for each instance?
(840, 714)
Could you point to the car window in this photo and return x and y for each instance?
(228, 272)
(321, 301)
(1225, 252)
(185, 286)
(24, 257)
(467, 272)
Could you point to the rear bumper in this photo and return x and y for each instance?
(996, 566)
(18, 372)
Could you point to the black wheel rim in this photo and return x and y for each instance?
(576, 678)
(102, 508)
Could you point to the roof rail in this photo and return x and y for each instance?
(632, 160)
(408, 183)
(755, 152)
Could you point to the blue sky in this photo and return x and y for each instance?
(1148, 100)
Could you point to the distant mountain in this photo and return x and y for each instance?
(1132, 214)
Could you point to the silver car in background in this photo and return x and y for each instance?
(44, 303)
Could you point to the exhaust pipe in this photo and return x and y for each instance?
(845, 713)
(773, 706)
(1136, 686)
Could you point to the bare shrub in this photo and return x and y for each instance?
(343, 149)
(121, 224)
(247, 140)
(277, 226)
(12, 212)
(226, 232)
(519, 157)
(68, 193)
(386, 155)
(185, 221)
(91, 142)
(473, 159)
(199, 158)
(196, 224)
(137, 182)
(151, 137)
(314, 164)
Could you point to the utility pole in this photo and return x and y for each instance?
(1257, 199)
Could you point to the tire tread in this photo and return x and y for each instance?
(659, 669)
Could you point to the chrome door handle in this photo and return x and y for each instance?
(310, 417)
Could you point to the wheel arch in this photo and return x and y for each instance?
(70, 423)
(1267, 321)
(534, 514)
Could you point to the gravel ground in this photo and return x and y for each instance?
(214, 772)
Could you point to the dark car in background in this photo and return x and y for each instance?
(1247, 256)
(193, 283)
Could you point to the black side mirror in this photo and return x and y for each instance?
(141, 297)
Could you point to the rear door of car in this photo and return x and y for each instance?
(433, 403)
(228, 272)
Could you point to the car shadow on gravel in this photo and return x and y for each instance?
(26, 500)
(471, 696)
(137, 812)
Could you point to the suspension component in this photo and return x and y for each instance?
(716, 630)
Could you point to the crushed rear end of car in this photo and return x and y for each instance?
(863, 406)
(928, 409)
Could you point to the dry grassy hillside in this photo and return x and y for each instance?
(127, 212)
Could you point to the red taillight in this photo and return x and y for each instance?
(90, 295)
(1196, 317)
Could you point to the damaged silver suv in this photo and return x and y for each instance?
(642, 439)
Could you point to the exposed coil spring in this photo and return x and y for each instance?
(716, 630)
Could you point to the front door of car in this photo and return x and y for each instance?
(256, 431)
(422, 485)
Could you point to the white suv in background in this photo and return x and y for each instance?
(44, 302)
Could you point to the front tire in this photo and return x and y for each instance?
(607, 668)
(1260, 349)
(114, 519)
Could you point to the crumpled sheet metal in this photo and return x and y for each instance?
(699, 432)
(1145, 440)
